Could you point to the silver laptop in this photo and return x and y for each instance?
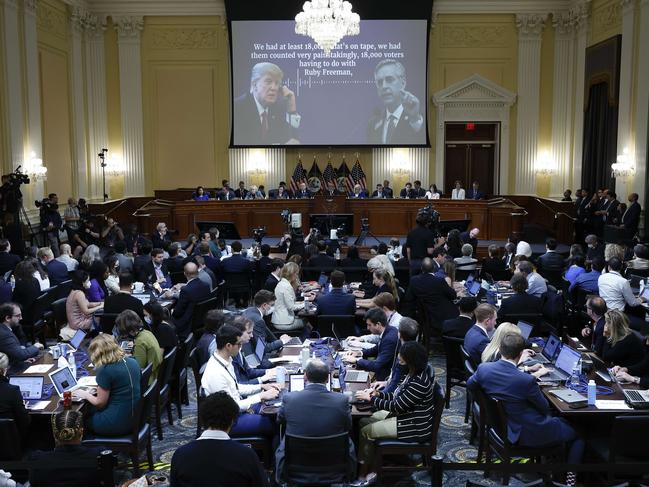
(550, 351)
(636, 399)
(526, 329)
(63, 381)
(568, 396)
(77, 339)
(566, 361)
(31, 387)
(357, 376)
(296, 382)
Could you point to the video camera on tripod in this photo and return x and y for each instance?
(17, 178)
(429, 218)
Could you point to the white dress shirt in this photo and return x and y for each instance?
(616, 291)
(536, 285)
(214, 435)
(220, 376)
(458, 194)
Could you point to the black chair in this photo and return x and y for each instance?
(456, 375)
(478, 426)
(177, 277)
(162, 395)
(429, 328)
(63, 289)
(426, 449)
(198, 376)
(198, 314)
(138, 439)
(535, 319)
(107, 322)
(498, 441)
(179, 376)
(10, 444)
(238, 287)
(60, 315)
(344, 326)
(146, 376)
(34, 318)
(319, 461)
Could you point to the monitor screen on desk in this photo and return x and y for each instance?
(567, 359)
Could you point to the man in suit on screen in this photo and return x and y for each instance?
(268, 114)
(399, 121)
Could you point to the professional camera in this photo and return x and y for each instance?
(286, 216)
(258, 234)
(17, 178)
(46, 205)
(429, 217)
(365, 224)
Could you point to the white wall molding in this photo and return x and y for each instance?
(530, 29)
(480, 100)
(257, 166)
(157, 7)
(580, 14)
(400, 166)
(129, 31)
(498, 6)
(642, 104)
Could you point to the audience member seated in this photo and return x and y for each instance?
(118, 388)
(479, 335)
(493, 264)
(160, 236)
(204, 274)
(576, 269)
(385, 302)
(595, 248)
(8, 261)
(26, 289)
(143, 345)
(466, 262)
(453, 244)
(11, 399)
(508, 258)
(575, 250)
(640, 259)
(39, 271)
(66, 258)
(191, 293)
(236, 262)
(523, 248)
(322, 262)
(431, 292)
(536, 285)
(214, 319)
(457, 327)
(195, 464)
(637, 373)
(596, 311)
(382, 353)
(264, 304)
(176, 261)
(112, 280)
(529, 419)
(116, 303)
(142, 260)
(158, 322)
(621, 346)
(275, 275)
(155, 272)
(382, 282)
(283, 317)
(521, 302)
(333, 414)
(11, 335)
(337, 301)
(200, 194)
(406, 414)
(353, 259)
(589, 280)
(551, 261)
(616, 290)
(97, 273)
(245, 373)
(220, 375)
(67, 428)
(79, 310)
(57, 272)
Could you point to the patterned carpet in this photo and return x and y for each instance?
(453, 440)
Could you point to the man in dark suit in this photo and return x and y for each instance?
(407, 192)
(116, 303)
(237, 465)
(337, 302)
(297, 413)
(8, 261)
(160, 236)
(10, 316)
(268, 114)
(245, 373)
(399, 121)
(521, 302)
(175, 262)
(379, 193)
(322, 262)
(529, 418)
(241, 192)
(211, 263)
(432, 292)
(264, 302)
(191, 293)
(225, 193)
(330, 189)
(418, 191)
(457, 327)
(474, 193)
(236, 262)
(383, 352)
(471, 237)
(155, 271)
(479, 335)
(274, 276)
(551, 261)
(387, 189)
(303, 192)
(57, 271)
(631, 217)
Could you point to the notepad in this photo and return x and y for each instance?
(611, 404)
(37, 406)
(88, 380)
(38, 369)
(291, 360)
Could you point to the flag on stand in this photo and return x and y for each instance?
(299, 176)
(314, 179)
(357, 176)
(343, 178)
(329, 173)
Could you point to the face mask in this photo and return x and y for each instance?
(148, 320)
(269, 311)
(86, 284)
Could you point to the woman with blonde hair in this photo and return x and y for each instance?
(621, 346)
(492, 352)
(384, 283)
(284, 318)
(118, 388)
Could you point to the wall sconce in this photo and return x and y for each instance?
(544, 165)
(623, 167)
(34, 167)
(115, 165)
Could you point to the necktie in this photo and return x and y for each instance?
(392, 123)
(264, 125)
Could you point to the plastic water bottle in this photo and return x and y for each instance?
(72, 364)
(337, 254)
(573, 380)
(304, 357)
(592, 392)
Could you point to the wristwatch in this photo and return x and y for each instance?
(636, 380)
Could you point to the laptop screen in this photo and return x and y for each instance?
(30, 387)
(567, 359)
(77, 339)
(260, 348)
(552, 345)
(526, 329)
(469, 281)
(645, 293)
(296, 382)
(62, 380)
(475, 288)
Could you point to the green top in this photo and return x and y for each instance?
(147, 351)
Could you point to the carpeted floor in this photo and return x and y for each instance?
(453, 442)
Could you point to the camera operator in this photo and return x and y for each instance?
(111, 233)
(10, 202)
(51, 221)
(420, 242)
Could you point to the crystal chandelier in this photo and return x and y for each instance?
(623, 168)
(327, 22)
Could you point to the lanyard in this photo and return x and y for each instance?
(228, 371)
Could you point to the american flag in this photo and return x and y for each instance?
(299, 176)
(343, 176)
(357, 176)
(329, 173)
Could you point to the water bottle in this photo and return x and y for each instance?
(337, 254)
(592, 392)
(281, 376)
(304, 357)
(72, 364)
(573, 380)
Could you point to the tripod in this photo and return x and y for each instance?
(365, 232)
(103, 164)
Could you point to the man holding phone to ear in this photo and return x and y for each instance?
(268, 114)
(400, 120)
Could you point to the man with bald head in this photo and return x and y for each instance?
(191, 293)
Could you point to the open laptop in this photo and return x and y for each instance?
(254, 359)
(31, 387)
(296, 382)
(566, 361)
(63, 380)
(474, 288)
(469, 281)
(526, 329)
(549, 353)
(77, 339)
(357, 376)
(636, 399)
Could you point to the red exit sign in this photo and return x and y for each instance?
(470, 127)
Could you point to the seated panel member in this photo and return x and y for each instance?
(220, 375)
(379, 193)
(458, 192)
(530, 422)
(200, 194)
(407, 192)
(337, 302)
(195, 464)
(384, 351)
(479, 335)
(332, 414)
(358, 192)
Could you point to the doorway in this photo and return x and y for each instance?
(470, 155)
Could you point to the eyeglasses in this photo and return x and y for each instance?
(19, 315)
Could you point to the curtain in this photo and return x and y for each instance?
(600, 139)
